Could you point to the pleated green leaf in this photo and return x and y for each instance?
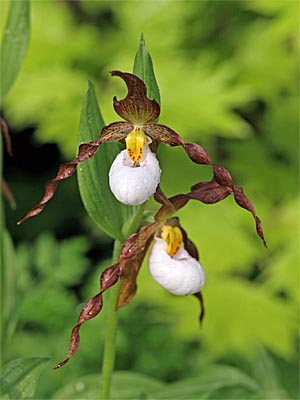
(14, 44)
(214, 379)
(18, 378)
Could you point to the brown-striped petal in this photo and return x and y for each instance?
(202, 309)
(163, 134)
(116, 131)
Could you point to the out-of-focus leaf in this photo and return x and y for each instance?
(63, 261)
(14, 44)
(281, 272)
(125, 386)
(143, 68)
(19, 377)
(104, 209)
(213, 378)
(267, 377)
(8, 289)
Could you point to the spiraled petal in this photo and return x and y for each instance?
(86, 151)
(132, 184)
(92, 308)
(181, 275)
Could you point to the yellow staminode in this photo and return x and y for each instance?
(173, 236)
(135, 142)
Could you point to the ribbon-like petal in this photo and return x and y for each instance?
(92, 308)
(86, 151)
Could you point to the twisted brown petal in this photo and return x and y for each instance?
(189, 245)
(209, 192)
(131, 258)
(243, 201)
(168, 209)
(197, 153)
(86, 151)
(163, 134)
(136, 107)
(161, 198)
(92, 308)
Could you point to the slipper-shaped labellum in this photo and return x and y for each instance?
(172, 267)
(135, 173)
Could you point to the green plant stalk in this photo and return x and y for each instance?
(111, 331)
(2, 268)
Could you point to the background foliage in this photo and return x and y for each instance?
(227, 73)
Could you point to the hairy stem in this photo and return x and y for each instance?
(111, 332)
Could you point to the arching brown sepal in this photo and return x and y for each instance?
(136, 107)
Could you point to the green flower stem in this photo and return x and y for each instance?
(111, 331)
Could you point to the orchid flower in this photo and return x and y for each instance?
(135, 173)
(173, 267)
(133, 177)
(177, 269)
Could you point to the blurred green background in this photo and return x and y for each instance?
(228, 76)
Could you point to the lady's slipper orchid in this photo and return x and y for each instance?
(135, 173)
(172, 267)
(180, 272)
(175, 268)
(140, 114)
(133, 177)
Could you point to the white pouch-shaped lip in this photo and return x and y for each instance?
(181, 274)
(133, 185)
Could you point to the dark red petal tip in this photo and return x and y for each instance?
(135, 107)
(243, 201)
(202, 309)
